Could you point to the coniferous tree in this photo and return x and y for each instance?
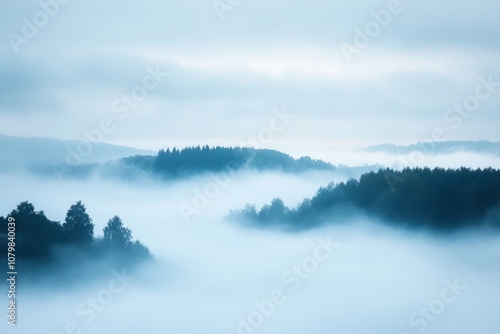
(78, 227)
(115, 234)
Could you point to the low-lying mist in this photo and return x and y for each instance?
(212, 276)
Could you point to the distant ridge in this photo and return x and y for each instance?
(204, 159)
(37, 152)
(444, 147)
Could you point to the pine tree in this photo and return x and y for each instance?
(78, 227)
(116, 234)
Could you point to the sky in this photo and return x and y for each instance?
(166, 73)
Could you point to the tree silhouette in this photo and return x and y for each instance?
(37, 232)
(42, 243)
(440, 199)
(193, 160)
(116, 234)
(24, 208)
(78, 227)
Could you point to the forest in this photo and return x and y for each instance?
(437, 199)
(188, 161)
(40, 242)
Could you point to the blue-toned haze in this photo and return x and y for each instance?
(225, 76)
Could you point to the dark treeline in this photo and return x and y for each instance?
(439, 199)
(40, 242)
(201, 159)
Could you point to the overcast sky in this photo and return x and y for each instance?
(230, 66)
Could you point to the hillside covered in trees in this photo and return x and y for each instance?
(196, 160)
(437, 199)
(40, 242)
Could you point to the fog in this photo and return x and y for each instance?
(416, 158)
(215, 276)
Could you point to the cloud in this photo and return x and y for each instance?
(264, 55)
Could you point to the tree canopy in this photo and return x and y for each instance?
(116, 234)
(40, 241)
(191, 160)
(441, 199)
(78, 226)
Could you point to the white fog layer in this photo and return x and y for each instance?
(215, 276)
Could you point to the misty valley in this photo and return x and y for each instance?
(237, 240)
(249, 167)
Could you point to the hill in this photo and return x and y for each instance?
(437, 199)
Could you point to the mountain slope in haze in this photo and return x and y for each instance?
(34, 153)
(444, 147)
(192, 161)
(73, 159)
(438, 199)
(197, 160)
